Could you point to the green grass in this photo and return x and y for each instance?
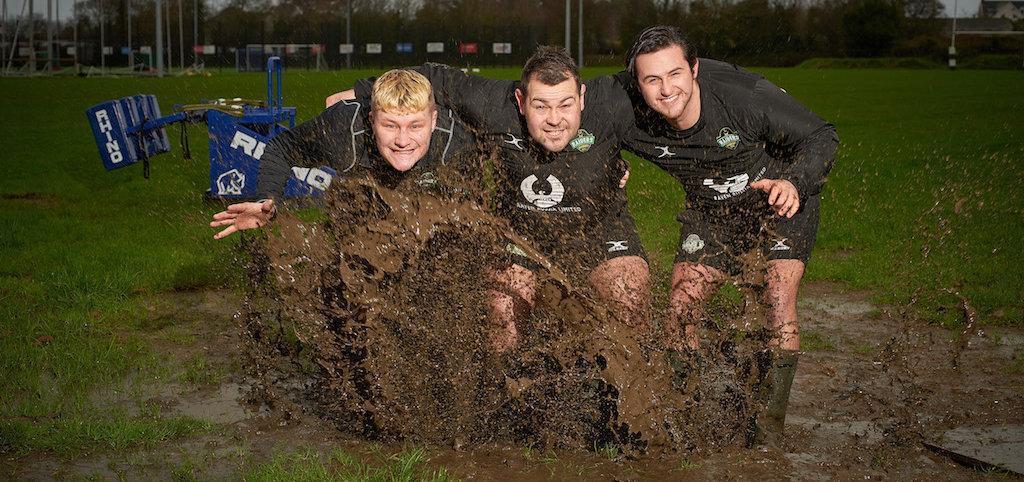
(310, 465)
(199, 372)
(811, 340)
(925, 196)
(71, 435)
(686, 464)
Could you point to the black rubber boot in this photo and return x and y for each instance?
(771, 421)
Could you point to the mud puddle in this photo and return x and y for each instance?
(853, 413)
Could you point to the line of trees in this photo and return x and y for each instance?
(761, 32)
(752, 32)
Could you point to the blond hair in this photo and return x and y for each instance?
(401, 91)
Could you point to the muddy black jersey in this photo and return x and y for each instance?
(341, 137)
(545, 195)
(748, 130)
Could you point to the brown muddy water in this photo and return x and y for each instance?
(388, 300)
(367, 332)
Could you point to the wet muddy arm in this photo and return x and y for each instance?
(793, 132)
(323, 140)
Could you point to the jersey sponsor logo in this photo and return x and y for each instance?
(583, 141)
(664, 152)
(515, 141)
(780, 245)
(112, 147)
(427, 180)
(614, 246)
(692, 244)
(728, 138)
(231, 183)
(248, 144)
(733, 185)
(543, 198)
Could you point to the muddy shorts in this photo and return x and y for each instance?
(599, 242)
(721, 241)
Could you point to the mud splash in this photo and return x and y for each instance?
(375, 317)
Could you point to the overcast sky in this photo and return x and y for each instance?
(966, 8)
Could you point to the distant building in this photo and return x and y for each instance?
(1012, 10)
(979, 24)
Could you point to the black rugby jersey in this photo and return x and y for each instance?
(749, 129)
(341, 137)
(544, 194)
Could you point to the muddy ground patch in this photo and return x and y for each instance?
(869, 392)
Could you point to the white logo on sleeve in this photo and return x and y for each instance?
(692, 244)
(664, 152)
(543, 198)
(617, 246)
(515, 141)
(780, 245)
(231, 183)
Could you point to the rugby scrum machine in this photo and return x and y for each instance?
(131, 129)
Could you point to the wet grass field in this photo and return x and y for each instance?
(925, 200)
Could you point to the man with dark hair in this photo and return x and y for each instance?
(752, 161)
(558, 179)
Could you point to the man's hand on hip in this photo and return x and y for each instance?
(242, 216)
(782, 195)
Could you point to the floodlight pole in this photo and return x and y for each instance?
(952, 39)
(159, 50)
(49, 35)
(74, 32)
(56, 29)
(167, 25)
(568, 21)
(348, 34)
(181, 38)
(128, 14)
(31, 38)
(103, 41)
(579, 35)
(14, 39)
(195, 32)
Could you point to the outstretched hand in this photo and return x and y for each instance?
(782, 195)
(242, 216)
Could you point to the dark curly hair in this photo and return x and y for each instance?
(654, 39)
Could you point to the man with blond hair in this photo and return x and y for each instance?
(400, 131)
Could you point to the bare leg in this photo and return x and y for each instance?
(510, 302)
(692, 285)
(783, 279)
(625, 283)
